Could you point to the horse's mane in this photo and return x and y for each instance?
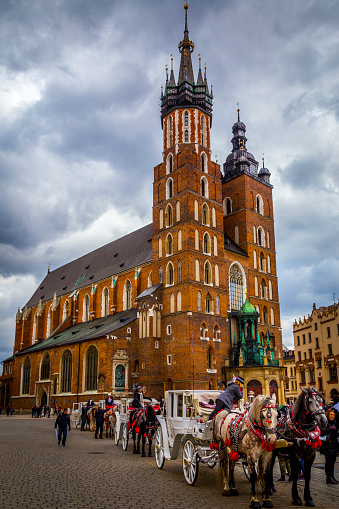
(150, 413)
(255, 408)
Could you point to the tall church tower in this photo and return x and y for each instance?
(248, 220)
(188, 235)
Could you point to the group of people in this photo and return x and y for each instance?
(9, 410)
(41, 411)
(99, 415)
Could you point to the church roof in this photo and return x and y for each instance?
(232, 246)
(149, 291)
(123, 254)
(85, 331)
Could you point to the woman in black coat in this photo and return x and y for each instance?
(329, 447)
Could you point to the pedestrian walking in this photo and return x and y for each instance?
(99, 417)
(329, 446)
(83, 417)
(63, 422)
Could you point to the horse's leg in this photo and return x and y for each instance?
(143, 454)
(150, 447)
(233, 489)
(295, 467)
(138, 443)
(254, 501)
(265, 476)
(223, 471)
(135, 450)
(307, 476)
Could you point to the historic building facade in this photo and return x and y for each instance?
(165, 304)
(316, 343)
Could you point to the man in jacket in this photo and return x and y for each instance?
(83, 417)
(109, 402)
(64, 422)
(230, 396)
(99, 421)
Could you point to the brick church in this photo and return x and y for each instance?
(191, 296)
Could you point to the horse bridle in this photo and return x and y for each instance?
(271, 431)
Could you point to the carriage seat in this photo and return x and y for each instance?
(202, 404)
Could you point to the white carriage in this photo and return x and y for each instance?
(184, 426)
(122, 415)
(76, 414)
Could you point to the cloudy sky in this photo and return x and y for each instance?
(80, 128)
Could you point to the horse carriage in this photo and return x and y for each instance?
(122, 412)
(183, 426)
(76, 414)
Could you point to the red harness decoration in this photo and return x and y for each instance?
(310, 437)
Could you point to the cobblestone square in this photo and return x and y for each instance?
(37, 473)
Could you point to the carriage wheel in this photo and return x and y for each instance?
(116, 437)
(212, 462)
(190, 464)
(124, 437)
(159, 448)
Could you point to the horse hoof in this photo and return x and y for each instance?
(273, 489)
(234, 492)
(255, 505)
(267, 503)
(135, 452)
(150, 455)
(226, 493)
(143, 455)
(309, 503)
(297, 501)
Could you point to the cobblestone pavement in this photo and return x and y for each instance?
(37, 473)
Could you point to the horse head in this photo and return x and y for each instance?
(313, 406)
(264, 413)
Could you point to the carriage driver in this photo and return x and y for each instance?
(109, 402)
(136, 403)
(232, 394)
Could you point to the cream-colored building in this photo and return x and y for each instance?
(316, 344)
(290, 380)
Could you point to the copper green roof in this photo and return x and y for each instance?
(247, 308)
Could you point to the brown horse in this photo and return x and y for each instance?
(250, 435)
(90, 421)
(110, 422)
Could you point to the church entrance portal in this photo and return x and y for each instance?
(274, 390)
(253, 389)
(44, 399)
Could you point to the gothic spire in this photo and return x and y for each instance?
(186, 47)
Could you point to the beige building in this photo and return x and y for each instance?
(316, 343)
(290, 379)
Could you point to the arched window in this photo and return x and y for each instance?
(236, 286)
(216, 333)
(35, 321)
(161, 219)
(208, 304)
(217, 305)
(203, 331)
(256, 288)
(263, 289)
(199, 301)
(186, 136)
(259, 205)
(265, 315)
(214, 220)
(227, 206)
(169, 274)
(258, 311)
(169, 215)
(169, 165)
(206, 243)
(45, 367)
(169, 245)
(186, 118)
(196, 240)
(262, 262)
(66, 372)
(169, 131)
(205, 215)
(169, 188)
(272, 316)
(210, 359)
(236, 234)
(270, 291)
(91, 376)
(203, 130)
(177, 211)
(160, 247)
(268, 263)
(179, 271)
(197, 270)
(179, 301)
(136, 367)
(204, 187)
(196, 211)
(268, 240)
(172, 303)
(203, 163)
(208, 273)
(254, 235)
(160, 274)
(49, 322)
(65, 313)
(127, 301)
(261, 236)
(149, 280)
(120, 377)
(255, 265)
(104, 303)
(26, 376)
(85, 310)
(179, 240)
(216, 275)
(215, 248)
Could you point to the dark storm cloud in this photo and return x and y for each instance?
(80, 130)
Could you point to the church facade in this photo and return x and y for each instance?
(190, 298)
